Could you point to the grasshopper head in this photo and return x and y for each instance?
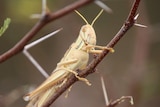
(88, 34)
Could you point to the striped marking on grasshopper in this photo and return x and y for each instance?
(76, 57)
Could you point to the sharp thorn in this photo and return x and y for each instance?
(140, 25)
(103, 6)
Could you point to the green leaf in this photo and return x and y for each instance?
(5, 26)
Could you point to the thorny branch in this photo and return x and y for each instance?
(130, 21)
(44, 20)
(48, 17)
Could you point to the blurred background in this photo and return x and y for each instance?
(132, 70)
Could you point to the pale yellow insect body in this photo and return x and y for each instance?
(76, 57)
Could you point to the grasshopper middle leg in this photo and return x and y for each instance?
(61, 64)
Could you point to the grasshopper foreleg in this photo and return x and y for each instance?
(101, 48)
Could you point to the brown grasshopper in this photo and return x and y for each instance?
(76, 57)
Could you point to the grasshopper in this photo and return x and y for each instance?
(76, 57)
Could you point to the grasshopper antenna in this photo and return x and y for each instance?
(96, 17)
(85, 18)
(81, 16)
(29, 56)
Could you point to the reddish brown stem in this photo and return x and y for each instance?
(90, 69)
(48, 17)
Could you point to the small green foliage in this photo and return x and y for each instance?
(5, 26)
